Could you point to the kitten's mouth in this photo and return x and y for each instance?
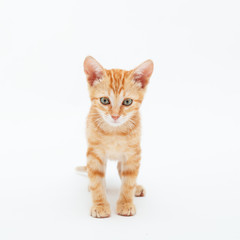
(115, 123)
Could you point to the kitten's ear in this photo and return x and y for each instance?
(143, 72)
(92, 69)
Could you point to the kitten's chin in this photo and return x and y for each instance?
(114, 124)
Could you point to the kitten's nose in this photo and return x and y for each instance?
(115, 117)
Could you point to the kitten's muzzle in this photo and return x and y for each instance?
(114, 117)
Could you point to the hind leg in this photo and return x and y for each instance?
(139, 190)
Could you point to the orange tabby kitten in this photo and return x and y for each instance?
(113, 132)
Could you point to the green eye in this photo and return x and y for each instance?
(104, 100)
(127, 101)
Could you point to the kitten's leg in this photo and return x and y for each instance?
(139, 190)
(129, 172)
(96, 172)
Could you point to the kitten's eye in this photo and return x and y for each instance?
(104, 100)
(127, 101)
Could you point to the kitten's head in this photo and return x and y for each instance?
(116, 94)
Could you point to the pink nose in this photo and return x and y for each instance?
(115, 117)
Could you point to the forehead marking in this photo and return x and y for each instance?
(116, 99)
(122, 83)
(116, 80)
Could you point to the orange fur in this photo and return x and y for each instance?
(114, 139)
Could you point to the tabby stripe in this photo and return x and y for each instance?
(120, 89)
(91, 153)
(129, 173)
(112, 81)
(92, 173)
(94, 98)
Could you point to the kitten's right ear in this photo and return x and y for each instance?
(92, 69)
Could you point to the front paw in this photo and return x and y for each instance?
(126, 209)
(101, 211)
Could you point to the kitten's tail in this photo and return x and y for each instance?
(80, 169)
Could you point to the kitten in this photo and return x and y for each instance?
(113, 132)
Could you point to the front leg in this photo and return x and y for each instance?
(96, 172)
(129, 172)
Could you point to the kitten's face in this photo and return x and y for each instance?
(116, 97)
(116, 94)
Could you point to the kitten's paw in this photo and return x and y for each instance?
(140, 191)
(126, 209)
(101, 211)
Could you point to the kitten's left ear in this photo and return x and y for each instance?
(143, 72)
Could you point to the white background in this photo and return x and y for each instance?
(191, 117)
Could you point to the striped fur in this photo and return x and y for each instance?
(120, 142)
